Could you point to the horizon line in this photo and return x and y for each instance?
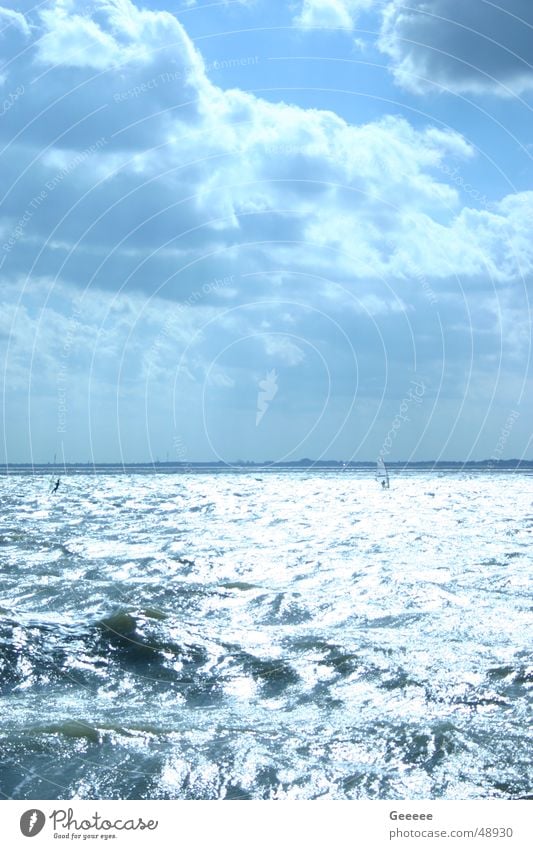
(304, 461)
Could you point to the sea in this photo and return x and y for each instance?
(266, 634)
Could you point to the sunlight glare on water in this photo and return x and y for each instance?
(301, 635)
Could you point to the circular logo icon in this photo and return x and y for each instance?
(32, 822)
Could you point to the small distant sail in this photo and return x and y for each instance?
(382, 475)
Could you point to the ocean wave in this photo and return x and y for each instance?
(299, 637)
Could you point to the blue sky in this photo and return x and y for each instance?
(262, 230)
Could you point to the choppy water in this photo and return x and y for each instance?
(266, 635)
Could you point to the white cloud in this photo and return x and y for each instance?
(194, 183)
(250, 168)
(331, 13)
(116, 35)
(282, 349)
(9, 17)
(77, 42)
(190, 3)
(461, 46)
(475, 244)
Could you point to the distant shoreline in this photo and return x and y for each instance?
(243, 466)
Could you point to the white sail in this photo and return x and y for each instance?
(382, 475)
